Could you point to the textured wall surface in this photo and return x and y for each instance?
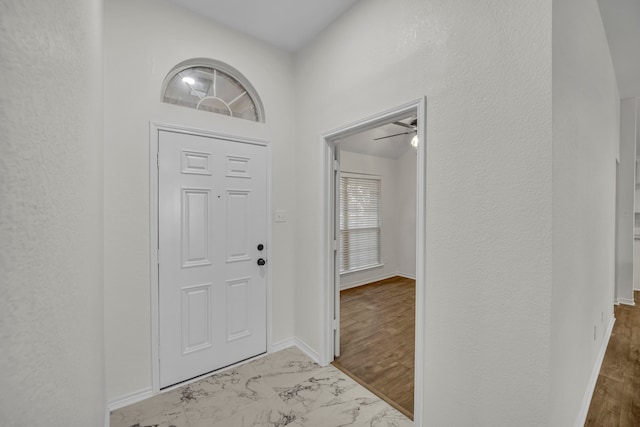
(585, 145)
(485, 68)
(144, 40)
(626, 193)
(51, 293)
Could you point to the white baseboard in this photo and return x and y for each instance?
(129, 399)
(313, 355)
(373, 279)
(588, 395)
(281, 345)
(407, 275)
(365, 281)
(626, 301)
(296, 342)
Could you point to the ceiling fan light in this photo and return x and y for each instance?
(414, 141)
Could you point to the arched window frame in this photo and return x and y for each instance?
(223, 67)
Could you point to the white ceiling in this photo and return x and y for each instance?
(287, 24)
(391, 148)
(621, 19)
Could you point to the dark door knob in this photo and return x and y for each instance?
(260, 247)
(261, 261)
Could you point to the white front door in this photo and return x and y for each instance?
(212, 212)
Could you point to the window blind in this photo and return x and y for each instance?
(359, 222)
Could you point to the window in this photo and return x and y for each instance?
(209, 85)
(359, 222)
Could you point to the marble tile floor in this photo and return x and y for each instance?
(281, 389)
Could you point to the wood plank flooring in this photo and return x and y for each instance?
(616, 399)
(377, 324)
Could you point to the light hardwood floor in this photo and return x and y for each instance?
(616, 399)
(377, 324)
(377, 350)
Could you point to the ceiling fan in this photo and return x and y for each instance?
(413, 126)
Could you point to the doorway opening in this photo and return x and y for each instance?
(378, 165)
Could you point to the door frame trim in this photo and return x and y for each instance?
(419, 107)
(155, 128)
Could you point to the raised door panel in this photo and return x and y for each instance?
(237, 309)
(238, 167)
(196, 227)
(238, 227)
(197, 334)
(196, 163)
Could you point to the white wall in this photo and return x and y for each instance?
(144, 40)
(626, 193)
(406, 171)
(398, 206)
(485, 68)
(51, 288)
(585, 146)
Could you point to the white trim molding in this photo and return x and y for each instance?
(299, 344)
(407, 275)
(331, 284)
(357, 283)
(129, 399)
(626, 301)
(306, 349)
(282, 345)
(588, 395)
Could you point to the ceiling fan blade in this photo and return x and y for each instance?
(391, 136)
(404, 125)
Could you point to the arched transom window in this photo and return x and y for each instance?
(209, 85)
